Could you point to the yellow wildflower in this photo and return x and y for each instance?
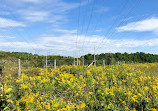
(90, 93)
(153, 109)
(128, 94)
(123, 102)
(146, 88)
(56, 105)
(7, 90)
(23, 86)
(139, 95)
(82, 105)
(147, 99)
(109, 106)
(47, 106)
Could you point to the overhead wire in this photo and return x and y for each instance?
(89, 22)
(84, 17)
(120, 13)
(141, 18)
(96, 25)
(118, 17)
(26, 33)
(11, 43)
(78, 24)
(25, 41)
(110, 34)
(82, 24)
(138, 19)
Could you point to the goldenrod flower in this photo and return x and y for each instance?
(82, 105)
(123, 102)
(153, 109)
(147, 99)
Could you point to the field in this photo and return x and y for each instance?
(66, 88)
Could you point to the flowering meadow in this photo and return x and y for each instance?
(76, 88)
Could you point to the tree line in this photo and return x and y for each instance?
(109, 58)
(112, 58)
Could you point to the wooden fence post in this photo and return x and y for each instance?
(74, 61)
(19, 67)
(83, 61)
(104, 63)
(55, 63)
(77, 62)
(46, 62)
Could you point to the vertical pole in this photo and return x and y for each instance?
(46, 61)
(55, 63)
(94, 58)
(104, 63)
(83, 61)
(74, 61)
(19, 67)
(77, 61)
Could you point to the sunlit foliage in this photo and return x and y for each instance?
(123, 87)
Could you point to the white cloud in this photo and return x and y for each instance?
(21, 2)
(4, 23)
(102, 9)
(135, 43)
(4, 13)
(98, 30)
(20, 45)
(3, 36)
(45, 11)
(34, 16)
(32, 1)
(150, 24)
(39, 10)
(127, 19)
(65, 31)
(67, 43)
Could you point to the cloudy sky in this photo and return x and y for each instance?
(75, 27)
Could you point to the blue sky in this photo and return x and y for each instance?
(74, 27)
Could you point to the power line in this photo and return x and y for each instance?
(120, 13)
(142, 18)
(78, 23)
(19, 33)
(97, 24)
(92, 10)
(82, 25)
(110, 34)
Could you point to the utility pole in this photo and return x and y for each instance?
(94, 58)
(19, 67)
